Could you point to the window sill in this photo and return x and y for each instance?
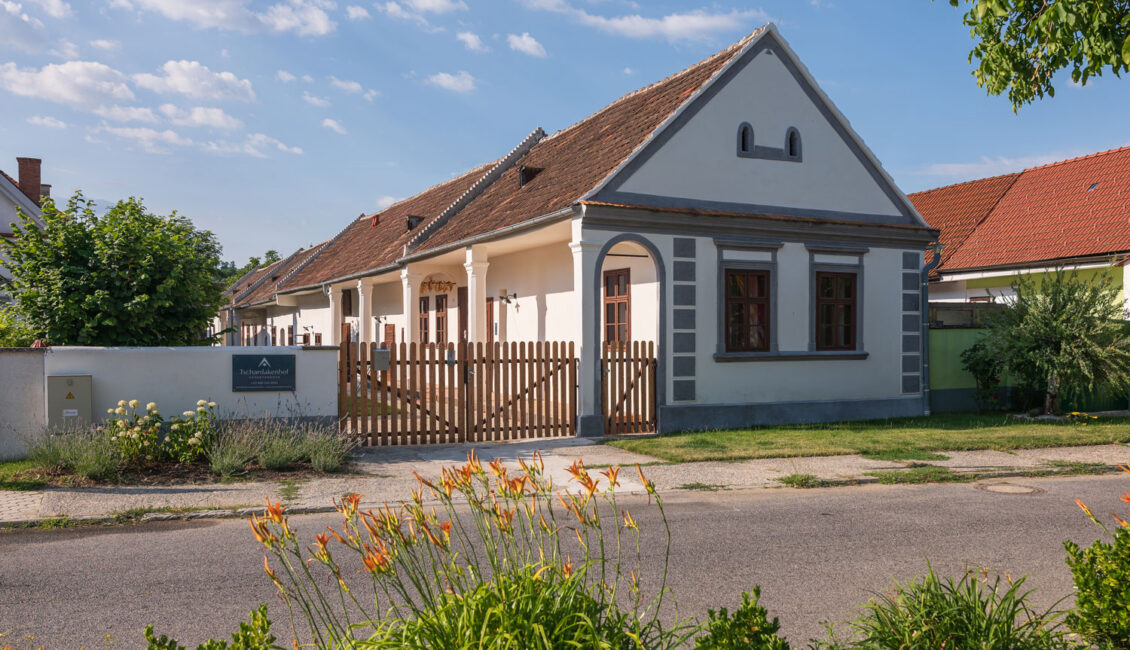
(791, 356)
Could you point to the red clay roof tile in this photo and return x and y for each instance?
(956, 210)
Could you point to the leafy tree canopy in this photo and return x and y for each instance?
(127, 277)
(1022, 44)
(1063, 331)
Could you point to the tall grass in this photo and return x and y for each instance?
(82, 450)
(277, 444)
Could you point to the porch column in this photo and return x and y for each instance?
(364, 309)
(335, 315)
(590, 421)
(411, 293)
(235, 336)
(476, 267)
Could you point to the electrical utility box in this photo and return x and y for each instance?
(69, 399)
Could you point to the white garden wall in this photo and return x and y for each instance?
(21, 398)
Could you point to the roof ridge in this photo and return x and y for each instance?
(969, 182)
(428, 189)
(315, 254)
(476, 188)
(1078, 158)
(266, 269)
(729, 50)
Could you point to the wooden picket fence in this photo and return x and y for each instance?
(469, 392)
(628, 394)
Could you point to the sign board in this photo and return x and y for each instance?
(263, 373)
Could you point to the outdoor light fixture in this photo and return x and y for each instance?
(505, 297)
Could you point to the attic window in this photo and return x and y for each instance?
(745, 139)
(1093, 186)
(414, 221)
(527, 174)
(792, 144)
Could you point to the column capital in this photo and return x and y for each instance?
(581, 247)
(332, 291)
(410, 274)
(476, 268)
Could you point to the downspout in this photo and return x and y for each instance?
(925, 307)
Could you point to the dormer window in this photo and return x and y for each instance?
(527, 174)
(745, 139)
(792, 144)
(414, 221)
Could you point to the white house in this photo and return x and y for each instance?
(728, 213)
(15, 195)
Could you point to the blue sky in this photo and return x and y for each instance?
(273, 123)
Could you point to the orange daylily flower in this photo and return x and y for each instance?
(629, 522)
(1086, 510)
(612, 473)
(1121, 522)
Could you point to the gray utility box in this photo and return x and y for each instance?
(69, 399)
(380, 359)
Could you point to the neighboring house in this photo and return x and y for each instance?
(1073, 214)
(727, 213)
(15, 195)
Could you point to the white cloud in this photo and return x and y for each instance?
(526, 44)
(436, 6)
(992, 166)
(688, 26)
(65, 49)
(222, 14)
(308, 79)
(81, 84)
(200, 116)
(357, 13)
(370, 94)
(126, 113)
(472, 41)
(253, 145)
(46, 121)
(401, 12)
(151, 140)
(313, 100)
(460, 82)
(194, 79)
(285, 76)
(104, 44)
(385, 201)
(304, 17)
(55, 8)
(629, 71)
(19, 30)
(353, 87)
(334, 126)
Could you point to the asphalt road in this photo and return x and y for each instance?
(818, 554)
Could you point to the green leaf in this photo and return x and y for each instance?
(1126, 51)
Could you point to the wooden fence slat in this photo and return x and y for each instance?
(386, 398)
(362, 390)
(477, 413)
(571, 391)
(556, 388)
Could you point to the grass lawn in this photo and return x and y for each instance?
(917, 438)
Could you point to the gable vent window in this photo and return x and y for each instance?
(792, 144)
(1093, 186)
(527, 174)
(745, 139)
(414, 221)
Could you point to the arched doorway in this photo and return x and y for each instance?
(631, 327)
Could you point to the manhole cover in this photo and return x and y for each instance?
(1008, 488)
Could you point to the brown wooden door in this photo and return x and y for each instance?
(490, 320)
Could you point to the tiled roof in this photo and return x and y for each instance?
(956, 210)
(363, 246)
(576, 159)
(273, 275)
(1074, 208)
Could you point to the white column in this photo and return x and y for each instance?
(410, 280)
(587, 334)
(476, 267)
(335, 315)
(364, 311)
(235, 337)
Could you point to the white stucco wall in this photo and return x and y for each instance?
(21, 399)
(176, 378)
(700, 161)
(543, 279)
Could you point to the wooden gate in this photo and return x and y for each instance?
(628, 390)
(467, 392)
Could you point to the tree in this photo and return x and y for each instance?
(1063, 331)
(1022, 44)
(128, 277)
(14, 330)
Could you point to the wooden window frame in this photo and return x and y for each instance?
(765, 300)
(819, 301)
(425, 318)
(626, 299)
(441, 319)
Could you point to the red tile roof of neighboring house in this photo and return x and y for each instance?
(956, 210)
(1069, 209)
(272, 276)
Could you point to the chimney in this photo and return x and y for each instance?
(30, 177)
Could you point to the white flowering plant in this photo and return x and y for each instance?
(134, 431)
(189, 437)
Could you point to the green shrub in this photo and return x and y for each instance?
(190, 437)
(87, 452)
(748, 629)
(234, 448)
(972, 612)
(1101, 573)
(281, 450)
(255, 635)
(327, 449)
